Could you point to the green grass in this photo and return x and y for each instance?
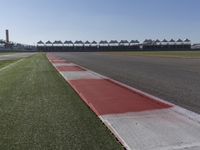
(6, 53)
(4, 63)
(176, 54)
(39, 111)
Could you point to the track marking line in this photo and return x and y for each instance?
(10, 65)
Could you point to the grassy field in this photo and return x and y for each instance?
(39, 111)
(176, 54)
(5, 63)
(6, 53)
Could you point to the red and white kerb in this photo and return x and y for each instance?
(139, 121)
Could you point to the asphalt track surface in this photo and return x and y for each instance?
(14, 56)
(176, 80)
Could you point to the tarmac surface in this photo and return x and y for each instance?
(14, 56)
(176, 80)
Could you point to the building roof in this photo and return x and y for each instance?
(2, 41)
(132, 41)
(78, 42)
(136, 41)
(179, 40)
(68, 42)
(60, 42)
(148, 41)
(187, 40)
(123, 42)
(113, 42)
(94, 42)
(164, 40)
(103, 42)
(40, 42)
(172, 40)
(87, 42)
(157, 41)
(48, 42)
(57, 42)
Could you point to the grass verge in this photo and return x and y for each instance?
(6, 53)
(4, 63)
(39, 111)
(173, 54)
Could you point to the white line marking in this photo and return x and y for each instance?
(76, 75)
(64, 64)
(10, 65)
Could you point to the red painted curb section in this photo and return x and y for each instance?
(107, 97)
(69, 68)
(57, 61)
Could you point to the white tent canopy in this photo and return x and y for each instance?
(103, 43)
(113, 43)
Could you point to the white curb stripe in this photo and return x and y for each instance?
(10, 65)
(64, 64)
(155, 130)
(76, 75)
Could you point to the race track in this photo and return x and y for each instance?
(176, 80)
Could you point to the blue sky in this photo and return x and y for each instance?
(32, 20)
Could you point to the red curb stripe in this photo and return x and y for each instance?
(108, 98)
(69, 68)
(57, 61)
